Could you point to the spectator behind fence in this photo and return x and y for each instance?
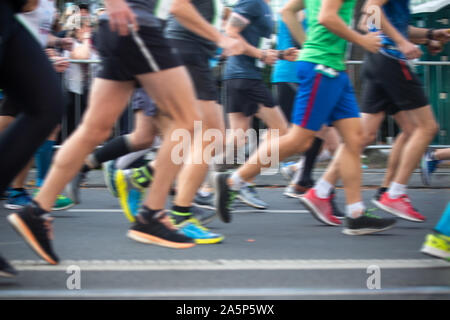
(77, 77)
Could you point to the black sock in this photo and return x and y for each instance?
(310, 159)
(181, 213)
(114, 149)
(148, 213)
(37, 210)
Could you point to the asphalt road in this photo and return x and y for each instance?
(279, 253)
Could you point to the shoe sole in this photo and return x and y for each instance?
(293, 195)
(244, 200)
(107, 178)
(431, 251)
(394, 212)
(209, 241)
(22, 229)
(312, 208)
(64, 208)
(149, 239)
(224, 216)
(122, 192)
(13, 206)
(359, 232)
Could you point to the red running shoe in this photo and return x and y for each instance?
(400, 207)
(321, 209)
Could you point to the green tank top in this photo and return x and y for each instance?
(322, 46)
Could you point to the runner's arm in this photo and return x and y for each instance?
(190, 18)
(329, 18)
(290, 17)
(235, 25)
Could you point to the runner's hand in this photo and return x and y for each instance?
(231, 46)
(291, 54)
(371, 42)
(410, 50)
(442, 35)
(60, 64)
(271, 57)
(120, 16)
(435, 47)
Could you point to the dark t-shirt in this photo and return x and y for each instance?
(261, 26)
(211, 11)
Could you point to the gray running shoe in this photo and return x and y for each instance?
(249, 196)
(202, 215)
(73, 187)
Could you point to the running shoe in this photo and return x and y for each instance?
(428, 165)
(400, 207)
(159, 231)
(321, 209)
(295, 191)
(367, 223)
(6, 270)
(193, 229)
(62, 203)
(73, 187)
(5, 194)
(289, 169)
(204, 201)
(377, 197)
(109, 172)
(17, 199)
(202, 215)
(437, 245)
(224, 196)
(250, 197)
(36, 230)
(130, 193)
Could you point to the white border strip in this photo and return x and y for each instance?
(216, 293)
(230, 265)
(234, 211)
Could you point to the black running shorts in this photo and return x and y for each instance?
(245, 96)
(8, 108)
(125, 57)
(197, 64)
(390, 86)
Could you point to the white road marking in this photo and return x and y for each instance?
(229, 264)
(234, 211)
(216, 293)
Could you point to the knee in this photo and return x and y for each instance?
(140, 141)
(299, 145)
(93, 135)
(368, 138)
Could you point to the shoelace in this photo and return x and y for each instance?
(368, 213)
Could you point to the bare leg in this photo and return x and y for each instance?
(107, 101)
(442, 154)
(177, 100)
(426, 128)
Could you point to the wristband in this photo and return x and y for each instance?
(281, 54)
(430, 34)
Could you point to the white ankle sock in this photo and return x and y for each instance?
(354, 210)
(396, 190)
(323, 188)
(236, 182)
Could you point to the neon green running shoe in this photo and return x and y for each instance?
(61, 203)
(193, 229)
(437, 245)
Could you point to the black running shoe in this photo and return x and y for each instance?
(36, 230)
(336, 212)
(224, 196)
(159, 231)
(6, 270)
(367, 223)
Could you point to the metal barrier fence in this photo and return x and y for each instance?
(431, 77)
